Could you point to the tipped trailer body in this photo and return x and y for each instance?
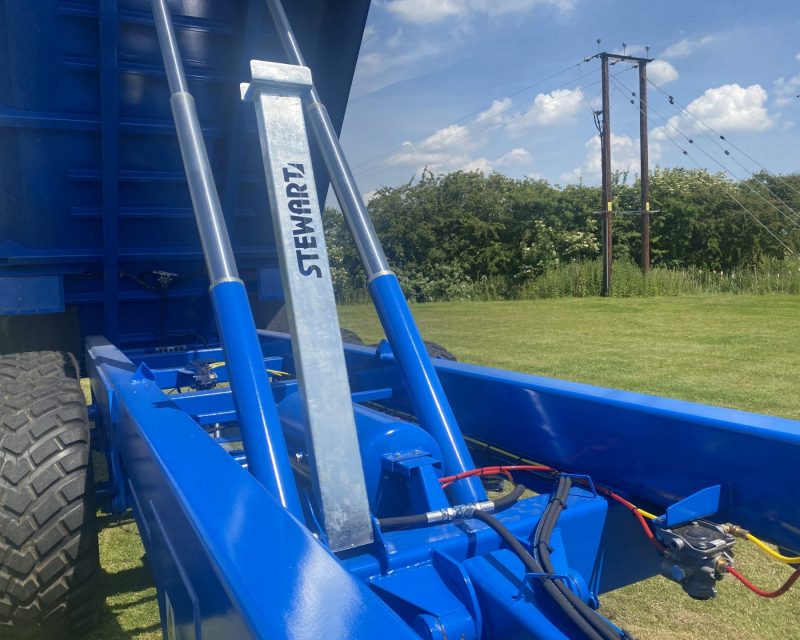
(286, 484)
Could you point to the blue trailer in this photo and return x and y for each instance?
(164, 165)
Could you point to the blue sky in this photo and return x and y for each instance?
(497, 85)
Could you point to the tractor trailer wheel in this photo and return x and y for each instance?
(48, 533)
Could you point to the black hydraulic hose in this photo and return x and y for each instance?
(509, 499)
(541, 545)
(403, 522)
(532, 566)
(419, 519)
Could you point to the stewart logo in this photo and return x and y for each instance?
(305, 240)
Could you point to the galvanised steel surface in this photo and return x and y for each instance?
(276, 91)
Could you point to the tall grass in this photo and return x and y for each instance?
(582, 279)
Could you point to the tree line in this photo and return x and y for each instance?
(445, 233)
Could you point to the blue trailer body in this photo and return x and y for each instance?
(222, 527)
(99, 223)
(93, 189)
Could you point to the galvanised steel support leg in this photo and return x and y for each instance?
(277, 90)
(427, 394)
(267, 457)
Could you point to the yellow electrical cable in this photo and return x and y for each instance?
(274, 372)
(647, 514)
(771, 551)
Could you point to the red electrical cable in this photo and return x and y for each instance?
(760, 592)
(493, 471)
(635, 511)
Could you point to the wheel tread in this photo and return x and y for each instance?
(48, 541)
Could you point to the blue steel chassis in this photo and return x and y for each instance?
(229, 561)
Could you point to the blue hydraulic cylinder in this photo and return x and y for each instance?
(267, 456)
(423, 384)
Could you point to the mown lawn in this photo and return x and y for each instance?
(736, 351)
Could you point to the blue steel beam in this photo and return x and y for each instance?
(655, 449)
(231, 562)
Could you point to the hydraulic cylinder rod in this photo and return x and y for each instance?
(267, 456)
(424, 387)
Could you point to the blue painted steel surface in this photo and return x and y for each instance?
(424, 388)
(31, 294)
(260, 426)
(618, 437)
(701, 504)
(441, 578)
(85, 113)
(233, 563)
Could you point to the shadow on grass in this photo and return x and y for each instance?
(129, 606)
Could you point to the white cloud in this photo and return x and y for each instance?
(661, 72)
(424, 11)
(444, 150)
(479, 164)
(516, 156)
(726, 108)
(431, 11)
(549, 109)
(496, 111)
(624, 157)
(370, 36)
(686, 46)
(786, 91)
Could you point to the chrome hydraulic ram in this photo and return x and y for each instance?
(267, 457)
(424, 387)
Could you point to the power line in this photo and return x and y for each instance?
(727, 191)
(723, 167)
(722, 137)
(698, 122)
(469, 115)
(471, 129)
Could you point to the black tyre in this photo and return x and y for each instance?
(37, 364)
(48, 534)
(438, 351)
(351, 337)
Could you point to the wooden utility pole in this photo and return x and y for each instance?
(604, 125)
(605, 157)
(644, 176)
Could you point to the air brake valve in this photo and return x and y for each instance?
(697, 554)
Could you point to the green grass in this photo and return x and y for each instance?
(737, 351)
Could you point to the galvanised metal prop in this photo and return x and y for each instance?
(276, 91)
(428, 397)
